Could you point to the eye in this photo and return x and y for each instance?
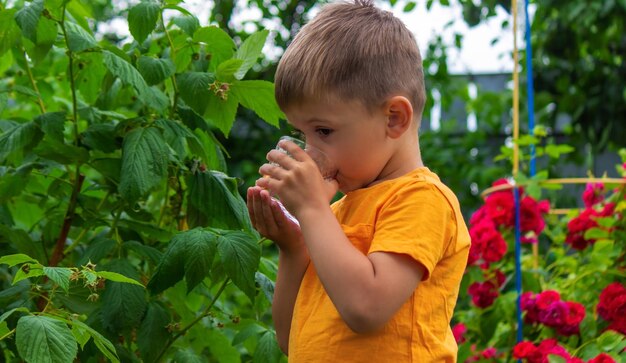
(324, 131)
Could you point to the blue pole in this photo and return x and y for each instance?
(530, 89)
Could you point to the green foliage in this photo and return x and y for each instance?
(109, 154)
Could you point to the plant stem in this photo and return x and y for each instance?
(70, 55)
(164, 206)
(204, 314)
(33, 83)
(172, 55)
(58, 254)
(114, 224)
(7, 335)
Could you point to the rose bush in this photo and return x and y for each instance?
(573, 272)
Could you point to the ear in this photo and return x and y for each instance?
(399, 112)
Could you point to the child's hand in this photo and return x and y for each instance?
(296, 179)
(271, 222)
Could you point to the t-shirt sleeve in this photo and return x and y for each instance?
(415, 221)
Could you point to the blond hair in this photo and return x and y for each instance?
(352, 51)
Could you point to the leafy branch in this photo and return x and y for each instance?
(204, 314)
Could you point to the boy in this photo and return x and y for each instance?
(375, 276)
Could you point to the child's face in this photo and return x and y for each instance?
(355, 139)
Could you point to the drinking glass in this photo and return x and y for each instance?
(326, 167)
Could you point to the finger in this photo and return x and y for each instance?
(264, 183)
(292, 149)
(273, 171)
(266, 209)
(279, 215)
(253, 203)
(256, 215)
(250, 204)
(280, 158)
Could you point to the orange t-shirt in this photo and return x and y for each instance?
(415, 215)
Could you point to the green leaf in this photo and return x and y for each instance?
(52, 124)
(596, 233)
(144, 251)
(16, 259)
(240, 256)
(222, 112)
(81, 335)
(153, 332)
(200, 251)
(60, 275)
(114, 276)
(189, 254)
(120, 68)
(155, 70)
(144, 162)
(43, 339)
(247, 329)
(409, 6)
(13, 183)
(9, 30)
(22, 242)
(90, 75)
(100, 137)
(78, 38)
(187, 356)
(142, 19)
(189, 24)
(217, 43)
(18, 138)
(4, 97)
(194, 89)
(4, 316)
(555, 151)
(267, 350)
(177, 135)
(610, 340)
(250, 51)
(266, 285)
(27, 271)
(182, 52)
(47, 31)
(27, 19)
(259, 97)
(553, 358)
(227, 69)
(220, 347)
(123, 302)
(61, 152)
(103, 344)
(97, 249)
(214, 200)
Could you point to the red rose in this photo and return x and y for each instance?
(478, 216)
(459, 331)
(483, 293)
(602, 358)
(495, 247)
(523, 350)
(546, 298)
(501, 208)
(554, 315)
(611, 293)
(532, 215)
(593, 194)
(550, 346)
